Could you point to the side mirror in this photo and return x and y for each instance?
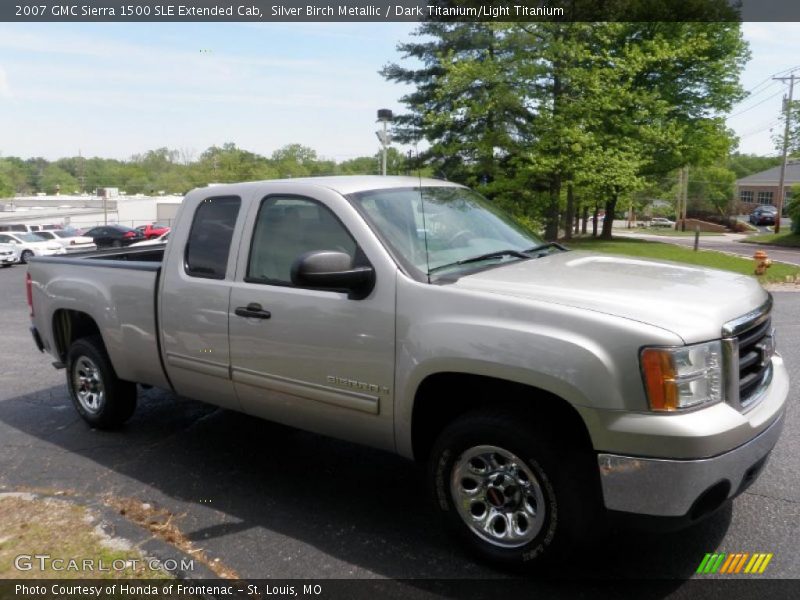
(331, 270)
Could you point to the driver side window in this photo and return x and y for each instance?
(287, 227)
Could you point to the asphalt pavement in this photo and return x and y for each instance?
(271, 501)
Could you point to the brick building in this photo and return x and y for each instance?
(762, 188)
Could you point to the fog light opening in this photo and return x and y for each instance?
(710, 500)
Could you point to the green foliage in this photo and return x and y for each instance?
(527, 111)
(793, 208)
(55, 179)
(169, 171)
(6, 187)
(711, 189)
(747, 164)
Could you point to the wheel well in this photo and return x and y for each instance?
(443, 397)
(70, 325)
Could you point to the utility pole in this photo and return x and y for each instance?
(787, 105)
(685, 194)
(679, 200)
(81, 175)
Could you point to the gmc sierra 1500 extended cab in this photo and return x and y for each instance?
(546, 389)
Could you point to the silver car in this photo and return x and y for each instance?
(9, 254)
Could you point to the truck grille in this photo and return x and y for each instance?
(751, 345)
(755, 351)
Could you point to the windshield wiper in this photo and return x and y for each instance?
(544, 247)
(487, 256)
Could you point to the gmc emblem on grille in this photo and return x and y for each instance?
(766, 348)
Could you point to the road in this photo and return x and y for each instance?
(725, 243)
(271, 501)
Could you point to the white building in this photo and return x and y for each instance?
(82, 211)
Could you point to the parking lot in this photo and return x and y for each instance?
(270, 501)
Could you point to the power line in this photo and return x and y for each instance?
(736, 114)
(770, 79)
(751, 95)
(761, 128)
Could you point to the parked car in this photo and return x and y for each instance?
(162, 239)
(661, 222)
(764, 215)
(114, 236)
(70, 239)
(539, 405)
(9, 254)
(15, 227)
(153, 231)
(30, 244)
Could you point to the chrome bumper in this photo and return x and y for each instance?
(670, 488)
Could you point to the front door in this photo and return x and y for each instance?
(312, 359)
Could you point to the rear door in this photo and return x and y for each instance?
(195, 291)
(321, 361)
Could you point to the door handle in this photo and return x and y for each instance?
(252, 311)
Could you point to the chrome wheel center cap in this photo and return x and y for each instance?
(503, 491)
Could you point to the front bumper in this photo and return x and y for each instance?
(683, 488)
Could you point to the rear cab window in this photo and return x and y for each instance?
(209, 243)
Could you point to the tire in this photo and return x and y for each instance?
(116, 244)
(6, 265)
(102, 399)
(25, 256)
(513, 491)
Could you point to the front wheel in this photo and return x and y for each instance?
(25, 256)
(512, 491)
(100, 397)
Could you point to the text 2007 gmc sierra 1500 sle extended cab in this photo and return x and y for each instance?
(546, 389)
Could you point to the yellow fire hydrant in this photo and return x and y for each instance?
(763, 262)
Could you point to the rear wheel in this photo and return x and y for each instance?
(100, 397)
(116, 244)
(25, 256)
(511, 490)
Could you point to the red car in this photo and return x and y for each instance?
(153, 231)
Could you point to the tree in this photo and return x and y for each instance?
(747, 164)
(6, 187)
(55, 180)
(531, 109)
(465, 105)
(711, 190)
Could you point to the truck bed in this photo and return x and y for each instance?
(117, 289)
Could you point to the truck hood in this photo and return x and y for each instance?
(692, 302)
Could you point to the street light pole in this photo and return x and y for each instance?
(384, 116)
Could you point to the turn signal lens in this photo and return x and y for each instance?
(679, 378)
(659, 378)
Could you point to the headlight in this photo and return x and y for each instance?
(679, 378)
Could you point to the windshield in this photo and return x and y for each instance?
(435, 228)
(30, 237)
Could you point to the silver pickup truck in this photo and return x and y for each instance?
(546, 389)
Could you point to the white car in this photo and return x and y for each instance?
(9, 254)
(661, 222)
(70, 239)
(30, 244)
(162, 239)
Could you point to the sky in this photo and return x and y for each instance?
(117, 89)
